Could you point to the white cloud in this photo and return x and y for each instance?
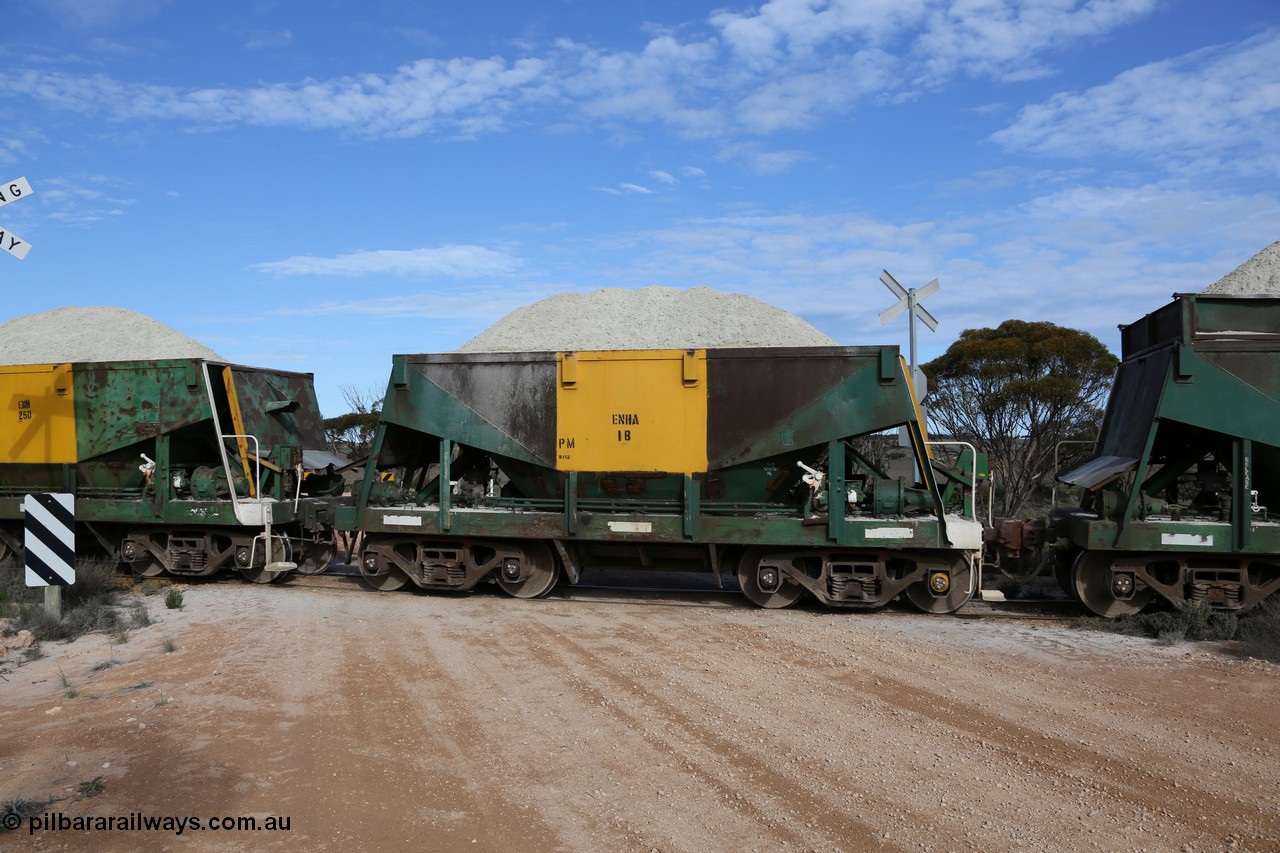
(76, 202)
(96, 14)
(11, 150)
(996, 38)
(1218, 106)
(261, 40)
(1004, 39)
(787, 64)
(761, 161)
(453, 261)
(1085, 257)
(626, 189)
(801, 99)
(797, 28)
(462, 95)
(477, 305)
(667, 81)
(663, 177)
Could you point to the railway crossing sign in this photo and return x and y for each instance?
(50, 539)
(10, 192)
(909, 301)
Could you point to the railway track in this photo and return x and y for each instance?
(699, 593)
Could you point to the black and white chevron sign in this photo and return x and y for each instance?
(50, 539)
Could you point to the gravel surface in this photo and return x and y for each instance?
(383, 721)
(1260, 275)
(648, 318)
(94, 334)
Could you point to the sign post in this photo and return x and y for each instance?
(909, 301)
(12, 191)
(50, 546)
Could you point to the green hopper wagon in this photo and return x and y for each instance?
(515, 467)
(182, 466)
(1182, 496)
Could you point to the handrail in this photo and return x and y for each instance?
(975, 566)
(973, 478)
(257, 466)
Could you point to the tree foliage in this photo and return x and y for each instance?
(352, 434)
(1017, 390)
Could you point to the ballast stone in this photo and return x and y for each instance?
(1258, 275)
(76, 334)
(647, 318)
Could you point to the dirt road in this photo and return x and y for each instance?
(412, 721)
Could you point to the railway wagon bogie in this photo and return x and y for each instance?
(522, 568)
(516, 467)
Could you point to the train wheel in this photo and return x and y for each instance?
(532, 577)
(148, 568)
(317, 556)
(1107, 593)
(261, 575)
(381, 575)
(942, 592)
(763, 584)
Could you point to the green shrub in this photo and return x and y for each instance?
(23, 808)
(87, 605)
(91, 788)
(141, 618)
(67, 687)
(91, 615)
(1260, 631)
(1191, 620)
(96, 580)
(42, 626)
(173, 599)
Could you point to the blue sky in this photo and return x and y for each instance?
(318, 185)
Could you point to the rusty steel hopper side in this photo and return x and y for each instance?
(649, 413)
